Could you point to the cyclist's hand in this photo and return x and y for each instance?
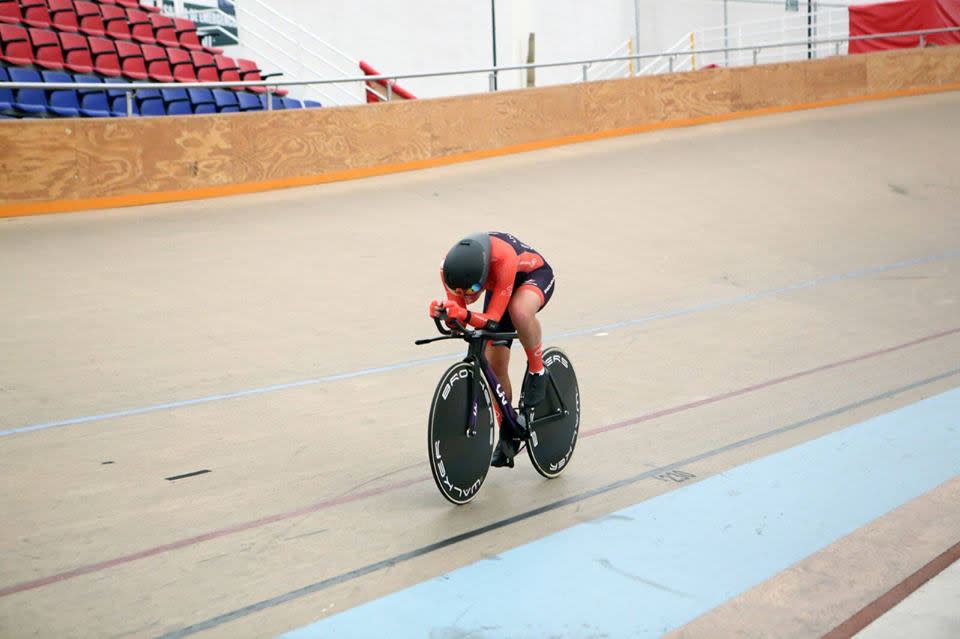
(455, 311)
(435, 307)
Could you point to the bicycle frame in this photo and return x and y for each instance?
(478, 340)
(476, 358)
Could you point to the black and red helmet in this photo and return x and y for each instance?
(467, 264)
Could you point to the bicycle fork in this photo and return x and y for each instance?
(474, 402)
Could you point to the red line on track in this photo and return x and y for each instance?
(876, 608)
(190, 541)
(344, 499)
(762, 385)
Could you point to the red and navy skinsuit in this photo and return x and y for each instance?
(513, 266)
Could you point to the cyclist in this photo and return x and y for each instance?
(518, 283)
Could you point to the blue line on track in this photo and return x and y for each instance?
(690, 310)
(416, 553)
(655, 566)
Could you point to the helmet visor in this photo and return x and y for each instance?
(465, 292)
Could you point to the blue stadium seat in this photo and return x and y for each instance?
(117, 98)
(149, 94)
(249, 102)
(81, 78)
(180, 107)
(176, 101)
(292, 103)
(115, 93)
(93, 103)
(118, 107)
(311, 104)
(6, 95)
(170, 95)
(150, 102)
(202, 100)
(62, 102)
(30, 101)
(276, 102)
(152, 106)
(226, 101)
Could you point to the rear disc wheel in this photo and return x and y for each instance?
(556, 420)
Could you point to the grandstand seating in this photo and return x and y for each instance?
(113, 42)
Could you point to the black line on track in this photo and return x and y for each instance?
(450, 541)
(185, 475)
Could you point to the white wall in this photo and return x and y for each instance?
(428, 35)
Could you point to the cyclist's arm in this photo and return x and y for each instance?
(502, 276)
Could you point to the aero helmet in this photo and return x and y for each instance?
(467, 264)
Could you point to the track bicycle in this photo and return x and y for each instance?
(460, 430)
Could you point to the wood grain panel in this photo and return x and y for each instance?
(832, 78)
(38, 160)
(43, 161)
(690, 95)
(153, 154)
(765, 86)
(313, 141)
(895, 70)
(617, 104)
(885, 73)
(487, 121)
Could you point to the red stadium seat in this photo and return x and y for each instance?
(249, 72)
(47, 52)
(187, 34)
(76, 52)
(10, 12)
(205, 65)
(91, 22)
(115, 21)
(35, 13)
(182, 65)
(140, 28)
(63, 16)
(15, 46)
(131, 60)
(105, 59)
(158, 67)
(163, 29)
(228, 69)
(130, 4)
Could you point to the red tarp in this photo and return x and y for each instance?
(909, 15)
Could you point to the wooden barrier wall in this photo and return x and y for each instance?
(64, 165)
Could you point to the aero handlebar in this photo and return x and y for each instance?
(459, 331)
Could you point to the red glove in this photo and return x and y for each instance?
(455, 311)
(435, 308)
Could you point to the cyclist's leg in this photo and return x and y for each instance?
(499, 358)
(532, 295)
(524, 305)
(499, 355)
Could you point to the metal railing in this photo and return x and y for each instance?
(822, 23)
(673, 59)
(613, 69)
(303, 52)
(272, 85)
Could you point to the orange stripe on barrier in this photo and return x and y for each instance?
(137, 199)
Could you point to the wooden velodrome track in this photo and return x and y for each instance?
(714, 285)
